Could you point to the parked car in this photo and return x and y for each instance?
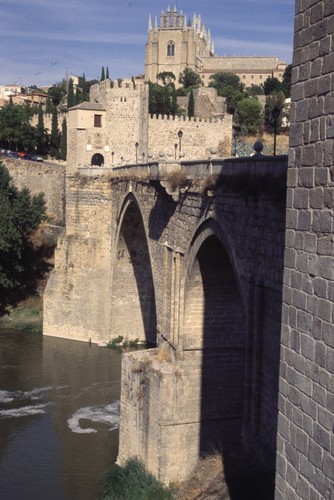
(37, 158)
(34, 157)
(12, 154)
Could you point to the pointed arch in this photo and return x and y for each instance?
(170, 49)
(133, 296)
(214, 333)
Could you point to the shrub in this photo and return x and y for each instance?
(177, 180)
(132, 482)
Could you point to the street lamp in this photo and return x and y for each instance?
(175, 149)
(112, 158)
(180, 135)
(136, 146)
(275, 115)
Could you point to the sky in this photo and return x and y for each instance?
(43, 41)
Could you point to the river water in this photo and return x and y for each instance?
(59, 416)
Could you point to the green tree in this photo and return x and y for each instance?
(70, 95)
(229, 86)
(189, 79)
(107, 73)
(191, 105)
(84, 88)
(15, 130)
(275, 99)
(54, 140)
(162, 98)
(41, 134)
(254, 90)
(286, 83)
(222, 80)
(21, 213)
(271, 84)
(166, 77)
(63, 140)
(57, 92)
(249, 115)
(48, 105)
(102, 74)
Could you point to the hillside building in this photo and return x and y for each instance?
(178, 43)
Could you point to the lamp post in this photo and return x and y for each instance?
(112, 158)
(275, 115)
(175, 149)
(235, 136)
(180, 135)
(143, 156)
(136, 146)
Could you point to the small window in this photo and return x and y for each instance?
(97, 120)
(260, 77)
(244, 77)
(252, 77)
(170, 49)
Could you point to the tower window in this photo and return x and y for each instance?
(170, 49)
(97, 120)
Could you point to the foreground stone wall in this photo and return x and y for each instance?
(41, 178)
(305, 446)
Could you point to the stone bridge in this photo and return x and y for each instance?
(188, 257)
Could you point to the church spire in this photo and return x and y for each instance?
(150, 23)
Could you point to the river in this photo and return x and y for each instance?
(59, 416)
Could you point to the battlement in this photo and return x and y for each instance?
(186, 119)
(99, 91)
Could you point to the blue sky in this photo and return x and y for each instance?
(41, 40)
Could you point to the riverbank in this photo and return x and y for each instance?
(27, 316)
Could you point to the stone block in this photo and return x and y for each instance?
(304, 220)
(316, 197)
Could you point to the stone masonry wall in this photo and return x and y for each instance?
(39, 177)
(199, 136)
(172, 274)
(305, 444)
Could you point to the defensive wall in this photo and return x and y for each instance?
(187, 256)
(305, 444)
(41, 178)
(125, 133)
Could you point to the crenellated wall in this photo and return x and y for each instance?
(126, 134)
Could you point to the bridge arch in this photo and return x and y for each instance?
(133, 296)
(214, 333)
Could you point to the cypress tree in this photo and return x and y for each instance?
(191, 105)
(70, 95)
(54, 142)
(84, 90)
(102, 75)
(63, 140)
(48, 107)
(40, 132)
(174, 100)
(107, 74)
(77, 96)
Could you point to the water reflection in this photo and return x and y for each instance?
(59, 416)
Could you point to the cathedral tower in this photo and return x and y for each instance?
(176, 44)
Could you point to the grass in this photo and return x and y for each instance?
(28, 316)
(132, 482)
